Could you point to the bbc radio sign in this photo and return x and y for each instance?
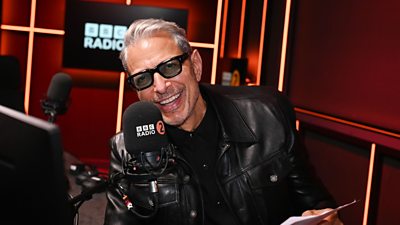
(94, 31)
(104, 36)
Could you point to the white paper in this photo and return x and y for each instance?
(313, 219)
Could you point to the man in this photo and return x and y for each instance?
(242, 163)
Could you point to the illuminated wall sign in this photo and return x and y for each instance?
(94, 31)
(104, 36)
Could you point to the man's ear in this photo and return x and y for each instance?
(197, 63)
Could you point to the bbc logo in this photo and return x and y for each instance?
(145, 128)
(105, 31)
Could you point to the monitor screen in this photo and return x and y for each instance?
(94, 31)
(34, 187)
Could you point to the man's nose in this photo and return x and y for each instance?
(159, 83)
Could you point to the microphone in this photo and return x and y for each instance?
(146, 142)
(151, 153)
(57, 97)
(145, 139)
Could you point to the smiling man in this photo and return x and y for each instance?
(242, 160)
(177, 97)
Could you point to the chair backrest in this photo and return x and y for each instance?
(11, 94)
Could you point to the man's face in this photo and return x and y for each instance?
(178, 98)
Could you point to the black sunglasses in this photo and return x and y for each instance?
(168, 69)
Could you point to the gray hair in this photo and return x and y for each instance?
(144, 28)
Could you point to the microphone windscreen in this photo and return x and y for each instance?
(59, 88)
(143, 128)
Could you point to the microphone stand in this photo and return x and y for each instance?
(87, 194)
(52, 108)
(51, 116)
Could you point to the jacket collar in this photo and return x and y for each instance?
(233, 127)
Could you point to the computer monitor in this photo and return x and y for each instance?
(33, 184)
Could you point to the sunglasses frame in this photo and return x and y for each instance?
(181, 59)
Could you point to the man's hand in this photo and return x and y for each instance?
(332, 219)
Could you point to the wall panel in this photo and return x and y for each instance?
(9, 15)
(46, 61)
(386, 210)
(342, 167)
(10, 39)
(342, 75)
(202, 16)
(251, 40)
(93, 117)
(48, 14)
(344, 60)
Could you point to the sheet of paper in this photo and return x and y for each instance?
(314, 219)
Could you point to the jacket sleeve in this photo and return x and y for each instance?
(308, 191)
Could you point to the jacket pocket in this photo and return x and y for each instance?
(269, 173)
(139, 192)
(270, 190)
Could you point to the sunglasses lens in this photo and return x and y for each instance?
(171, 68)
(142, 81)
(167, 69)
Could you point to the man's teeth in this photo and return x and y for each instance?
(169, 100)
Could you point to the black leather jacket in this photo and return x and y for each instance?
(261, 170)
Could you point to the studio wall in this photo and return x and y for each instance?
(342, 75)
(347, 54)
